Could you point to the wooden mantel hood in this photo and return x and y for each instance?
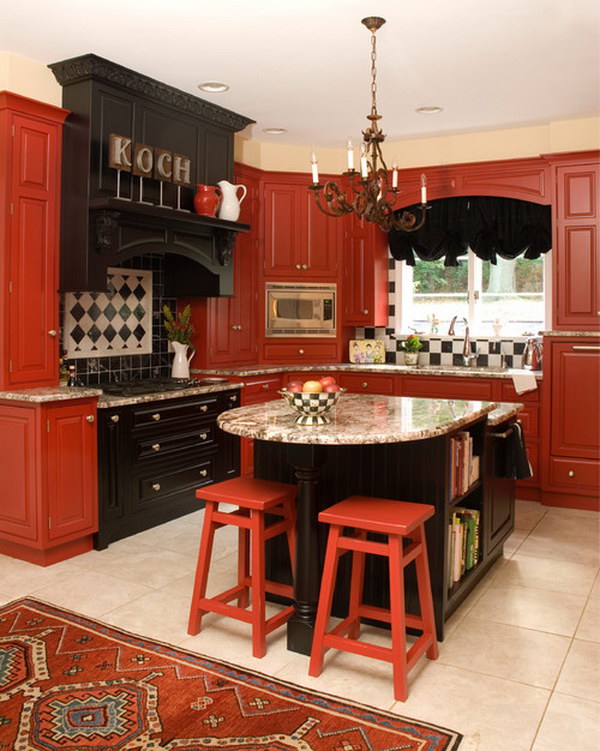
(99, 230)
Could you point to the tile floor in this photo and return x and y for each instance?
(519, 669)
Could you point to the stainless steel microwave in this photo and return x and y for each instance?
(295, 309)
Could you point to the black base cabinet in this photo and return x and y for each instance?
(152, 457)
(417, 471)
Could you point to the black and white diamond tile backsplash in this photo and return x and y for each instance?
(108, 324)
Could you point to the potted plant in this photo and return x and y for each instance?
(411, 348)
(179, 332)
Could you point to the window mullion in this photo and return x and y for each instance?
(475, 288)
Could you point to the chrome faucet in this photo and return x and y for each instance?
(469, 358)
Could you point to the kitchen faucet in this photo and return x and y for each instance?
(468, 357)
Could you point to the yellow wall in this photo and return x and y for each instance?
(34, 79)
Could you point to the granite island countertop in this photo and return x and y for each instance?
(356, 419)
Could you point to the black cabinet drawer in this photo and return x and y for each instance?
(155, 485)
(159, 445)
(175, 411)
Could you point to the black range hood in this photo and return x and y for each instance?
(99, 229)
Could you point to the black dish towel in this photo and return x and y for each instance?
(517, 464)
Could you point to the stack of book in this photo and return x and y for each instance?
(463, 542)
(464, 466)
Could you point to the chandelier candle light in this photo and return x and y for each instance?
(371, 195)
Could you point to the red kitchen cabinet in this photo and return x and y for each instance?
(48, 470)
(30, 159)
(365, 274)
(309, 351)
(368, 383)
(449, 388)
(301, 243)
(577, 244)
(257, 390)
(226, 326)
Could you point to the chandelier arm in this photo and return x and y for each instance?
(407, 221)
(337, 203)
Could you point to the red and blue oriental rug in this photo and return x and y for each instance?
(68, 683)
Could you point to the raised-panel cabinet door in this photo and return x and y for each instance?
(221, 336)
(575, 399)
(323, 235)
(71, 470)
(245, 304)
(284, 230)
(365, 281)
(33, 302)
(19, 510)
(577, 252)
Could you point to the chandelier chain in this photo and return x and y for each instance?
(373, 74)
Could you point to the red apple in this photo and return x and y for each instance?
(330, 387)
(294, 383)
(326, 381)
(294, 388)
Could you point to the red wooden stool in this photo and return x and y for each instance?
(254, 498)
(396, 519)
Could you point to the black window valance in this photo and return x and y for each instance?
(491, 227)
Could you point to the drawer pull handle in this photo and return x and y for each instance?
(298, 266)
(364, 384)
(203, 436)
(203, 472)
(52, 332)
(156, 416)
(265, 385)
(90, 418)
(203, 407)
(571, 473)
(305, 266)
(156, 446)
(586, 347)
(505, 434)
(115, 418)
(365, 312)
(300, 351)
(233, 398)
(156, 486)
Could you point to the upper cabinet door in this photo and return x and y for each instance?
(577, 247)
(284, 230)
(30, 309)
(323, 240)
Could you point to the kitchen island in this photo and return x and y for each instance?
(390, 447)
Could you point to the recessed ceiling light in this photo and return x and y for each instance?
(214, 87)
(275, 131)
(429, 110)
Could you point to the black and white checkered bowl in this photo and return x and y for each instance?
(312, 407)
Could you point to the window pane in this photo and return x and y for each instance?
(439, 290)
(513, 293)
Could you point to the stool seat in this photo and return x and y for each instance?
(397, 520)
(377, 514)
(248, 492)
(255, 500)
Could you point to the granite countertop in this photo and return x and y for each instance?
(357, 419)
(418, 370)
(50, 394)
(107, 401)
(503, 411)
(594, 334)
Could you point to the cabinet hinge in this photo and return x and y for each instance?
(12, 130)
(12, 208)
(49, 523)
(47, 426)
(10, 366)
(10, 286)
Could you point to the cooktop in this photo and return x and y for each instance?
(150, 385)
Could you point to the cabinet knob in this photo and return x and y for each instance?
(305, 266)
(156, 416)
(364, 384)
(234, 327)
(571, 473)
(239, 327)
(365, 312)
(203, 472)
(52, 332)
(90, 418)
(203, 436)
(203, 407)
(233, 398)
(156, 446)
(300, 351)
(115, 418)
(298, 266)
(265, 385)
(156, 486)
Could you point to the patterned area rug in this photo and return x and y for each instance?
(71, 683)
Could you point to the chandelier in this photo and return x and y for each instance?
(369, 193)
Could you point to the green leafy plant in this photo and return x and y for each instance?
(179, 328)
(412, 344)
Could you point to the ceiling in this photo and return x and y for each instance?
(304, 65)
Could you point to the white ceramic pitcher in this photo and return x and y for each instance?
(230, 203)
(181, 363)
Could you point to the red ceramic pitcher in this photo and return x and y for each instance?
(206, 200)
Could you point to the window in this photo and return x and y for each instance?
(511, 293)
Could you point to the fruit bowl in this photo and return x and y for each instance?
(312, 406)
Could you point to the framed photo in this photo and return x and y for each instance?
(367, 351)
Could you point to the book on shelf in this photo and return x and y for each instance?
(463, 542)
(464, 465)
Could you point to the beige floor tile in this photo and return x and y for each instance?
(514, 542)
(528, 514)
(595, 593)
(91, 593)
(580, 675)
(158, 614)
(569, 723)
(519, 654)
(152, 567)
(494, 714)
(19, 578)
(96, 559)
(544, 573)
(555, 546)
(554, 612)
(589, 626)
(559, 523)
